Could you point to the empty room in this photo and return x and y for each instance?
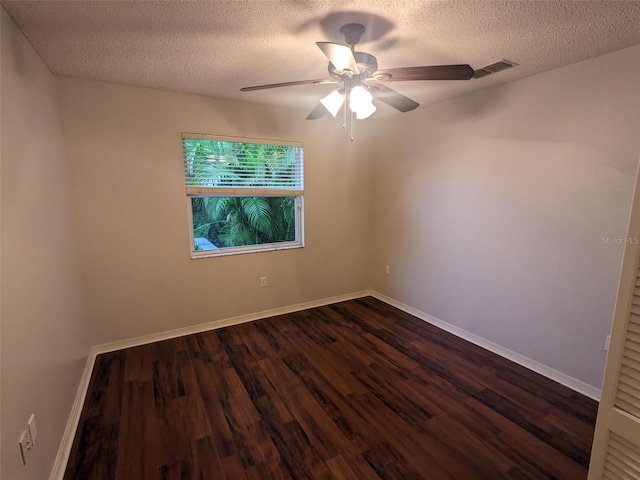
(320, 240)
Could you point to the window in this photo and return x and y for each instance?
(245, 195)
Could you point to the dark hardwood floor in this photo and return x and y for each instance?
(354, 390)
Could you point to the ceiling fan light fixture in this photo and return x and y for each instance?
(365, 111)
(333, 102)
(361, 102)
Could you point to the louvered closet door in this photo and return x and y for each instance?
(616, 446)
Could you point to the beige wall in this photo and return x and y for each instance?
(125, 151)
(491, 209)
(43, 345)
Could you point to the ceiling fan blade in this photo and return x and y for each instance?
(288, 84)
(393, 98)
(436, 72)
(317, 112)
(340, 55)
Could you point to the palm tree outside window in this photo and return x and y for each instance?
(245, 195)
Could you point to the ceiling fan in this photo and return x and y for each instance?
(361, 81)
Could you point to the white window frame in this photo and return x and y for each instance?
(192, 192)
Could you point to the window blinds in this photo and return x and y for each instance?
(241, 167)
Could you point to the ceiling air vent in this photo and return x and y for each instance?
(494, 68)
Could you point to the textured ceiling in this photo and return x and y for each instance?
(214, 48)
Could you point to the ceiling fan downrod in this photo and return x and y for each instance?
(352, 33)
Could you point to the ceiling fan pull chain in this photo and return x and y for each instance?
(352, 124)
(346, 98)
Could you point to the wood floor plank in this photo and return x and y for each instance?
(389, 463)
(318, 425)
(348, 467)
(415, 445)
(340, 408)
(353, 390)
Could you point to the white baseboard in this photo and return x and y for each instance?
(227, 322)
(60, 463)
(562, 378)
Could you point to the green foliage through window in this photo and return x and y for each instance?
(237, 221)
(243, 194)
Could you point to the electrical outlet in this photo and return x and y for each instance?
(607, 341)
(25, 445)
(263, 281)
(387, 270)
(31, 427)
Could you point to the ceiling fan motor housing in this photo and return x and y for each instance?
(367, 64)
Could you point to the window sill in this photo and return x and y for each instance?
(224, 252)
